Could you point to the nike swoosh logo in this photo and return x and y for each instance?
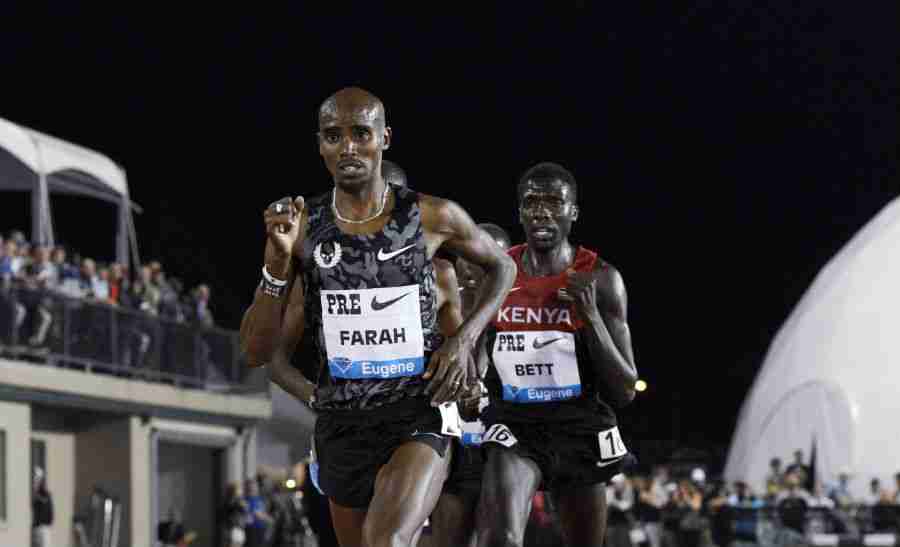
(538, 344)
(382, 256)
(514, 289)
(610, 461)
(376, 305)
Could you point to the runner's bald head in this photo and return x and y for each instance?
(498, 233)
(352, 102)
(393, 173)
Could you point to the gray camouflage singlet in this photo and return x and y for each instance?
(359, 284)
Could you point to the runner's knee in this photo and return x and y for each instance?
(383, 533)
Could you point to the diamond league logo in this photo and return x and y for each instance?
(342, 364)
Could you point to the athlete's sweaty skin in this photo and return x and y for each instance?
(352, 137)
(547, 210)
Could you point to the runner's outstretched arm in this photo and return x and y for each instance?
(452, 367)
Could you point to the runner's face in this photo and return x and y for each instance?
(468, 275)
(547, 210)
(351, 141)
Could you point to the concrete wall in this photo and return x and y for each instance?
(74, 382)
(61, 473)
(103, 455)
(271, 451)
(15, 421)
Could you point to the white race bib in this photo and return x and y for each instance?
(612, 449)
(451, 423)
(537, 366)
(500, 434)
(373, 334)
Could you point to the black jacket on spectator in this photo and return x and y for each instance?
(42, 509)
(234, 514)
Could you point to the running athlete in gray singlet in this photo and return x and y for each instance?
(355, 267)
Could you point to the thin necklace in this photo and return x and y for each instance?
(363, 221)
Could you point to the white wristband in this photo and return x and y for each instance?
(272, 280)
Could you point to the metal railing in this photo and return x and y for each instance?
(48, 327)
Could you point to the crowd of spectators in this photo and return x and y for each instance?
(267, 513)
(790, 507)
(35, 281)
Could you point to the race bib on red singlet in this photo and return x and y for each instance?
(537, 366)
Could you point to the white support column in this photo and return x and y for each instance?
(15, 422)
(140, 495)
(250, 463)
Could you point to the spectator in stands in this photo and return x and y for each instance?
(895, 498)
(41, 271)
(775, 479)
(875, 495)
(658, 485)
(840, 493)
(260, 520)
(234, 516)
(794, 488)
(619, 501)
(87, 280)
(11, 310)
(10, 263)
(819, 497)
(99, 282)
(799, 467)
(135, 326)
(693, 527)
(168, 299)
(146, 293)
(155, 267)
(181, 309)
(200, 312)
(117, 284)
(103, 278)
(41, 511)
(743, 496)
(40, 278)
(64, 270)
(648, 510)
(18, 237)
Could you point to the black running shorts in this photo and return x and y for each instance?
(567, 455)
(466, 471)
(351, 446)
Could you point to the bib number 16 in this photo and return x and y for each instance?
(500, 434)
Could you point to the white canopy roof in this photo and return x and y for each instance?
(40, 164)
(832, 372)
(45, 154)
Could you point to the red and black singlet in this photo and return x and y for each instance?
(540, 367)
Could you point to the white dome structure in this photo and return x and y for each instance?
(833, 371)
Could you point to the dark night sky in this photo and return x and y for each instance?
(723, 153)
